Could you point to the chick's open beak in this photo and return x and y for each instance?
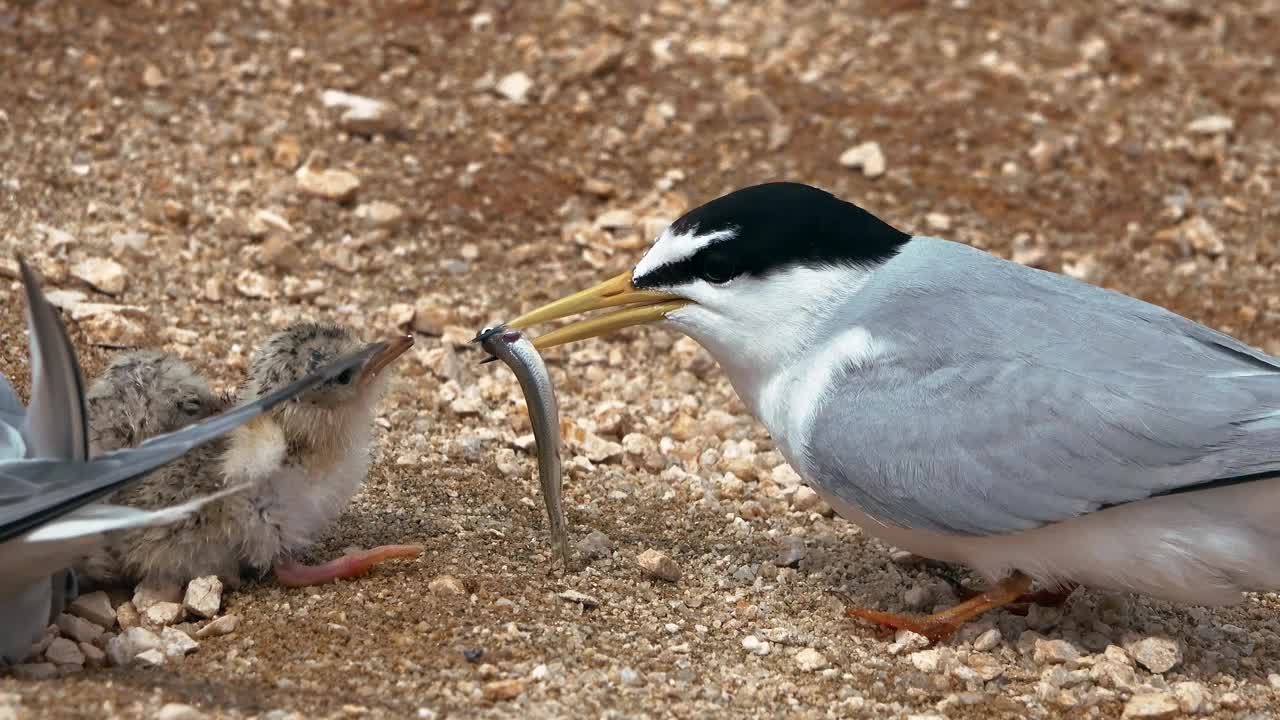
(385, 354)
(636, 307)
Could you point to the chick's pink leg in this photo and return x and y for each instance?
(291, 573)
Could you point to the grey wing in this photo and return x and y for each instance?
(1025, 410)
(11, 410)
(56, 423)
(36, 491)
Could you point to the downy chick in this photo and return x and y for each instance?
(305, 460)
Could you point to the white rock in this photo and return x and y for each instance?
(616, 219)
(164, 613)
(755, 645)
(176, 642)
(785, 476)
(363, 115)
(514, 87)
(658, 565)
(106, 328)
(447, 585)
(123, 648)
(907, 641)
(1274, 680)
(94, 607)
(149, 658)
(133, 243)
(1192, 696)
(380, 214)
(64, 652)
(988, 640)
(1151, 705)
(806, 500)
(127, 616)
(867, 156)
(315, 179)
(224, 625)
(204, 596)
(599, 450)
(1055, 651)
(938, 221)
(55, 238)
(178, 711)
(637, 444)
(65, 299)
(102, 274)
(932, 660)
(252, 284)
(144, 596)
(810, 660)
(1157, 654)
(1211, 125)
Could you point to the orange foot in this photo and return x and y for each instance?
(942, 625)
(291, 573)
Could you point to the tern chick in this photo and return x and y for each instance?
(305, 461)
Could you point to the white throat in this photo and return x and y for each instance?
(779, 339)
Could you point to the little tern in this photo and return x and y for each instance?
(50, 488)
(970, 409)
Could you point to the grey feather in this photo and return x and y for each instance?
(56, 424)
(11, 410)
(1022, 398)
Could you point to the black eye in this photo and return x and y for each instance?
(718, 267)
(190, 406)
(345, 377)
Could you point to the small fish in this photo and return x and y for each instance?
(519, 354)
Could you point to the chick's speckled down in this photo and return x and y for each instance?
(301, 463)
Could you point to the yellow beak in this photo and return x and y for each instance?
(637, 307)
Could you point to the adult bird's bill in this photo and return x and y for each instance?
(636, 307)
(970, 409)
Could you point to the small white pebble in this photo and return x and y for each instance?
(178, 711)
(810, 660)
(755, 645)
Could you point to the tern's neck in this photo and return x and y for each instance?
(761, 331)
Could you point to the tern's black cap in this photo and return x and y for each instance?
(775, 226)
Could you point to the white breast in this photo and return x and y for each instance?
(792, 397)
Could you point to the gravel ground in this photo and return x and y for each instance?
(152, 167)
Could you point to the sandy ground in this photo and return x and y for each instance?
(537, 147)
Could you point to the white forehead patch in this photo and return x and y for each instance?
(671, 248)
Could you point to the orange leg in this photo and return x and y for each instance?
(1043, 598)
(291, 573)
(941, 625)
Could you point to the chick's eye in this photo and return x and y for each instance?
(190, 407)
(345, 377)
(719, 267)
